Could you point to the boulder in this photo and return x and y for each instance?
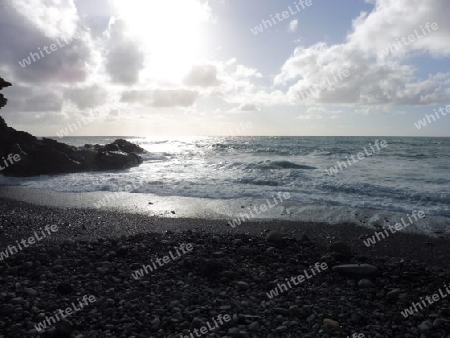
(127, 147)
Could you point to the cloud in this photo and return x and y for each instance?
(28, 29)
(202, 76)
(393, 19)
(372, 81)
(115, 66)
(372, 110)
(38, 102)
(293, 26)
(243, 72)
(161, 98)
(318, 113)
(247, 107)
(125, 59)
(86, 97)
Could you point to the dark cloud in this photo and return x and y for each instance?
(125, 60)
(20, 37)
(25, 99)
(87, 97)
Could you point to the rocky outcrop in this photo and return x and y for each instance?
(22, 154)
(3, 100)
(46, 156)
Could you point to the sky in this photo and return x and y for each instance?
(226, 67)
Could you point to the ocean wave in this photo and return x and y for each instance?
(155, 157)
(369, 190)
(259, 182)
(267, 165)
(321, 153)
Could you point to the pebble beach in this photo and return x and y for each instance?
(228, 272)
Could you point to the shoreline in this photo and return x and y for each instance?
(233, 211)
(81, 224)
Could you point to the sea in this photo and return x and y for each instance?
(406, 174)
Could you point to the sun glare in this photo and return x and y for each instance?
(170, 31)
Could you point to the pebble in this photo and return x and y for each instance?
(365, 284)
(357, 270)
(330, 323)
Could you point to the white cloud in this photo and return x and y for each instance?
(293, 26)
(53, 18)
(372, 110)
(392, 19)
(202, 76)
(373, 80)
(246, 72)
(319, 113)
(247, 107)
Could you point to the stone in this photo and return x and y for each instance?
(102, 270)
(393, 294)
(275, 237)
(242, 285)
(30, 292)
(254, 326)
(64, 329)
(64, 288)
(365, 284)
(330, 323)
(356, 270)
(340, 247)
(57, 268)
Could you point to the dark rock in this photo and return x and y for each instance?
(64, 329)
(393, 294)
(210, 267)
(356, 270)
(365, 284)
(340, 247)
(306, 239)
(242, 285)
(127, 147)
(275, 237)
(64, 288)
(3, 100)
(330, 323)
(46, 156)
(340, 251)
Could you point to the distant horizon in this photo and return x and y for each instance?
(173, 136)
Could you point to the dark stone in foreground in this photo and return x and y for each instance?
(46, 156)
(356, 270)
